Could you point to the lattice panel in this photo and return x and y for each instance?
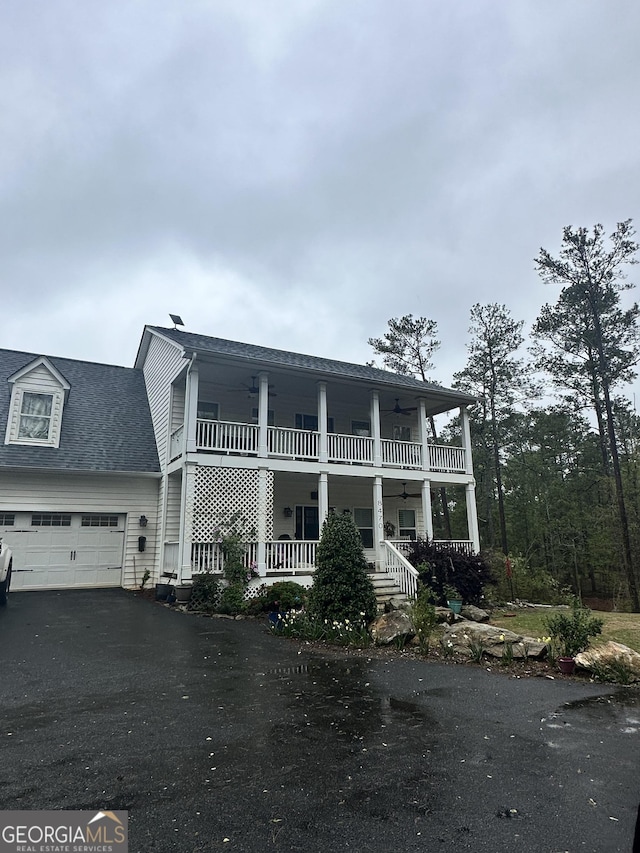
(218, 493)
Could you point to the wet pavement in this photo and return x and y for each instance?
(215, 735)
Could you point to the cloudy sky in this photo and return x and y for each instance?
(293, 173)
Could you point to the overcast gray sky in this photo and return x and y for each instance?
(293, 173)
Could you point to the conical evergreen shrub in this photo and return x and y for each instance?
(341, 588)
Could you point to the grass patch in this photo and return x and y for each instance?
(620, 627)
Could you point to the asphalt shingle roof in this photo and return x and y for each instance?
(106, 423)
(218, 346)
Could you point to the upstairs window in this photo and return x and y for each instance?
(38, 395)
(35, 416)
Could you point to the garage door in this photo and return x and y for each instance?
(65, 550)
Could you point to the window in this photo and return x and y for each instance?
(407, 523)
(361, 428)
(38, 395)
(35, 416)
(208, 411)
(401, 433)
(270, 417)
(363, 518)
(50, 519)
(310, 423)
(7, 519)
(99, 521)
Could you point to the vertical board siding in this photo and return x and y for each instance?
(92, 493)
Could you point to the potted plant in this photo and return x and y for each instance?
(571, 634)
(453, 597)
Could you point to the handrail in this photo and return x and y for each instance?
(404, 574)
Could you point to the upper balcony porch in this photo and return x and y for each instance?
(288, 415)
(228, 437)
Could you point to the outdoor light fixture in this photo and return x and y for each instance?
(143, 521)
(287, 512)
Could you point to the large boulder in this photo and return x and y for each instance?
(392, 627)
(612, 660)
(495, 641)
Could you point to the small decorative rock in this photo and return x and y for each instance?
(475, 614)
(392, 626)
(494, 640)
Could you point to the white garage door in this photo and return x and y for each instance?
(65, 550)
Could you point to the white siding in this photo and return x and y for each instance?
(162, 364)
(95, 493)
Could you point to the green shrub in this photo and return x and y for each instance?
(341, 588)
(438, 568)
(205, 592)
(423, 616)
(571, 634)
(232, 599)
(281, 596)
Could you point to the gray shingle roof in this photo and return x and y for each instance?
(218, 346)
(106, 423)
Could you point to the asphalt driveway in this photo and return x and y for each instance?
(215, 735)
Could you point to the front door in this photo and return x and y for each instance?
(307, 523)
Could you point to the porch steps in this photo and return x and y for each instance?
(385, 589)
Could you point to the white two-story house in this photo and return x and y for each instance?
(283, 439)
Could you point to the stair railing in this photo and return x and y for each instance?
(403, 573)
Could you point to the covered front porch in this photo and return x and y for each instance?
(285, 511)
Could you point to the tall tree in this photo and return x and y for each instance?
(497, 377)
(600, 345)
(407, 348)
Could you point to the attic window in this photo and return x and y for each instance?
(38, 396)
(35, 416)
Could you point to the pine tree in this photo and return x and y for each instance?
(593, 341)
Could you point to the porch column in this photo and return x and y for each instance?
(263, 414)
(375, 429)
(378, 522)
(323, 498)
(262, 522)
(426, 509)
(466, 440)
(424, 435)
(186, 522)
(322, 420)
(191, 407)
(472, 516)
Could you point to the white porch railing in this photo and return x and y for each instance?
(401, 454)
(281, 556)
(230, 437)
(226, 436)
(404, 574)
(175, 443)
(350, 448)
(464, 545)
(284, 555)
(293, 443)
(445, 458)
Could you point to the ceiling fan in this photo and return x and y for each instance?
(400, 410)
(404, 494)
(253, 390)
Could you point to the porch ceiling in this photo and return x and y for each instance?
(236, 377)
